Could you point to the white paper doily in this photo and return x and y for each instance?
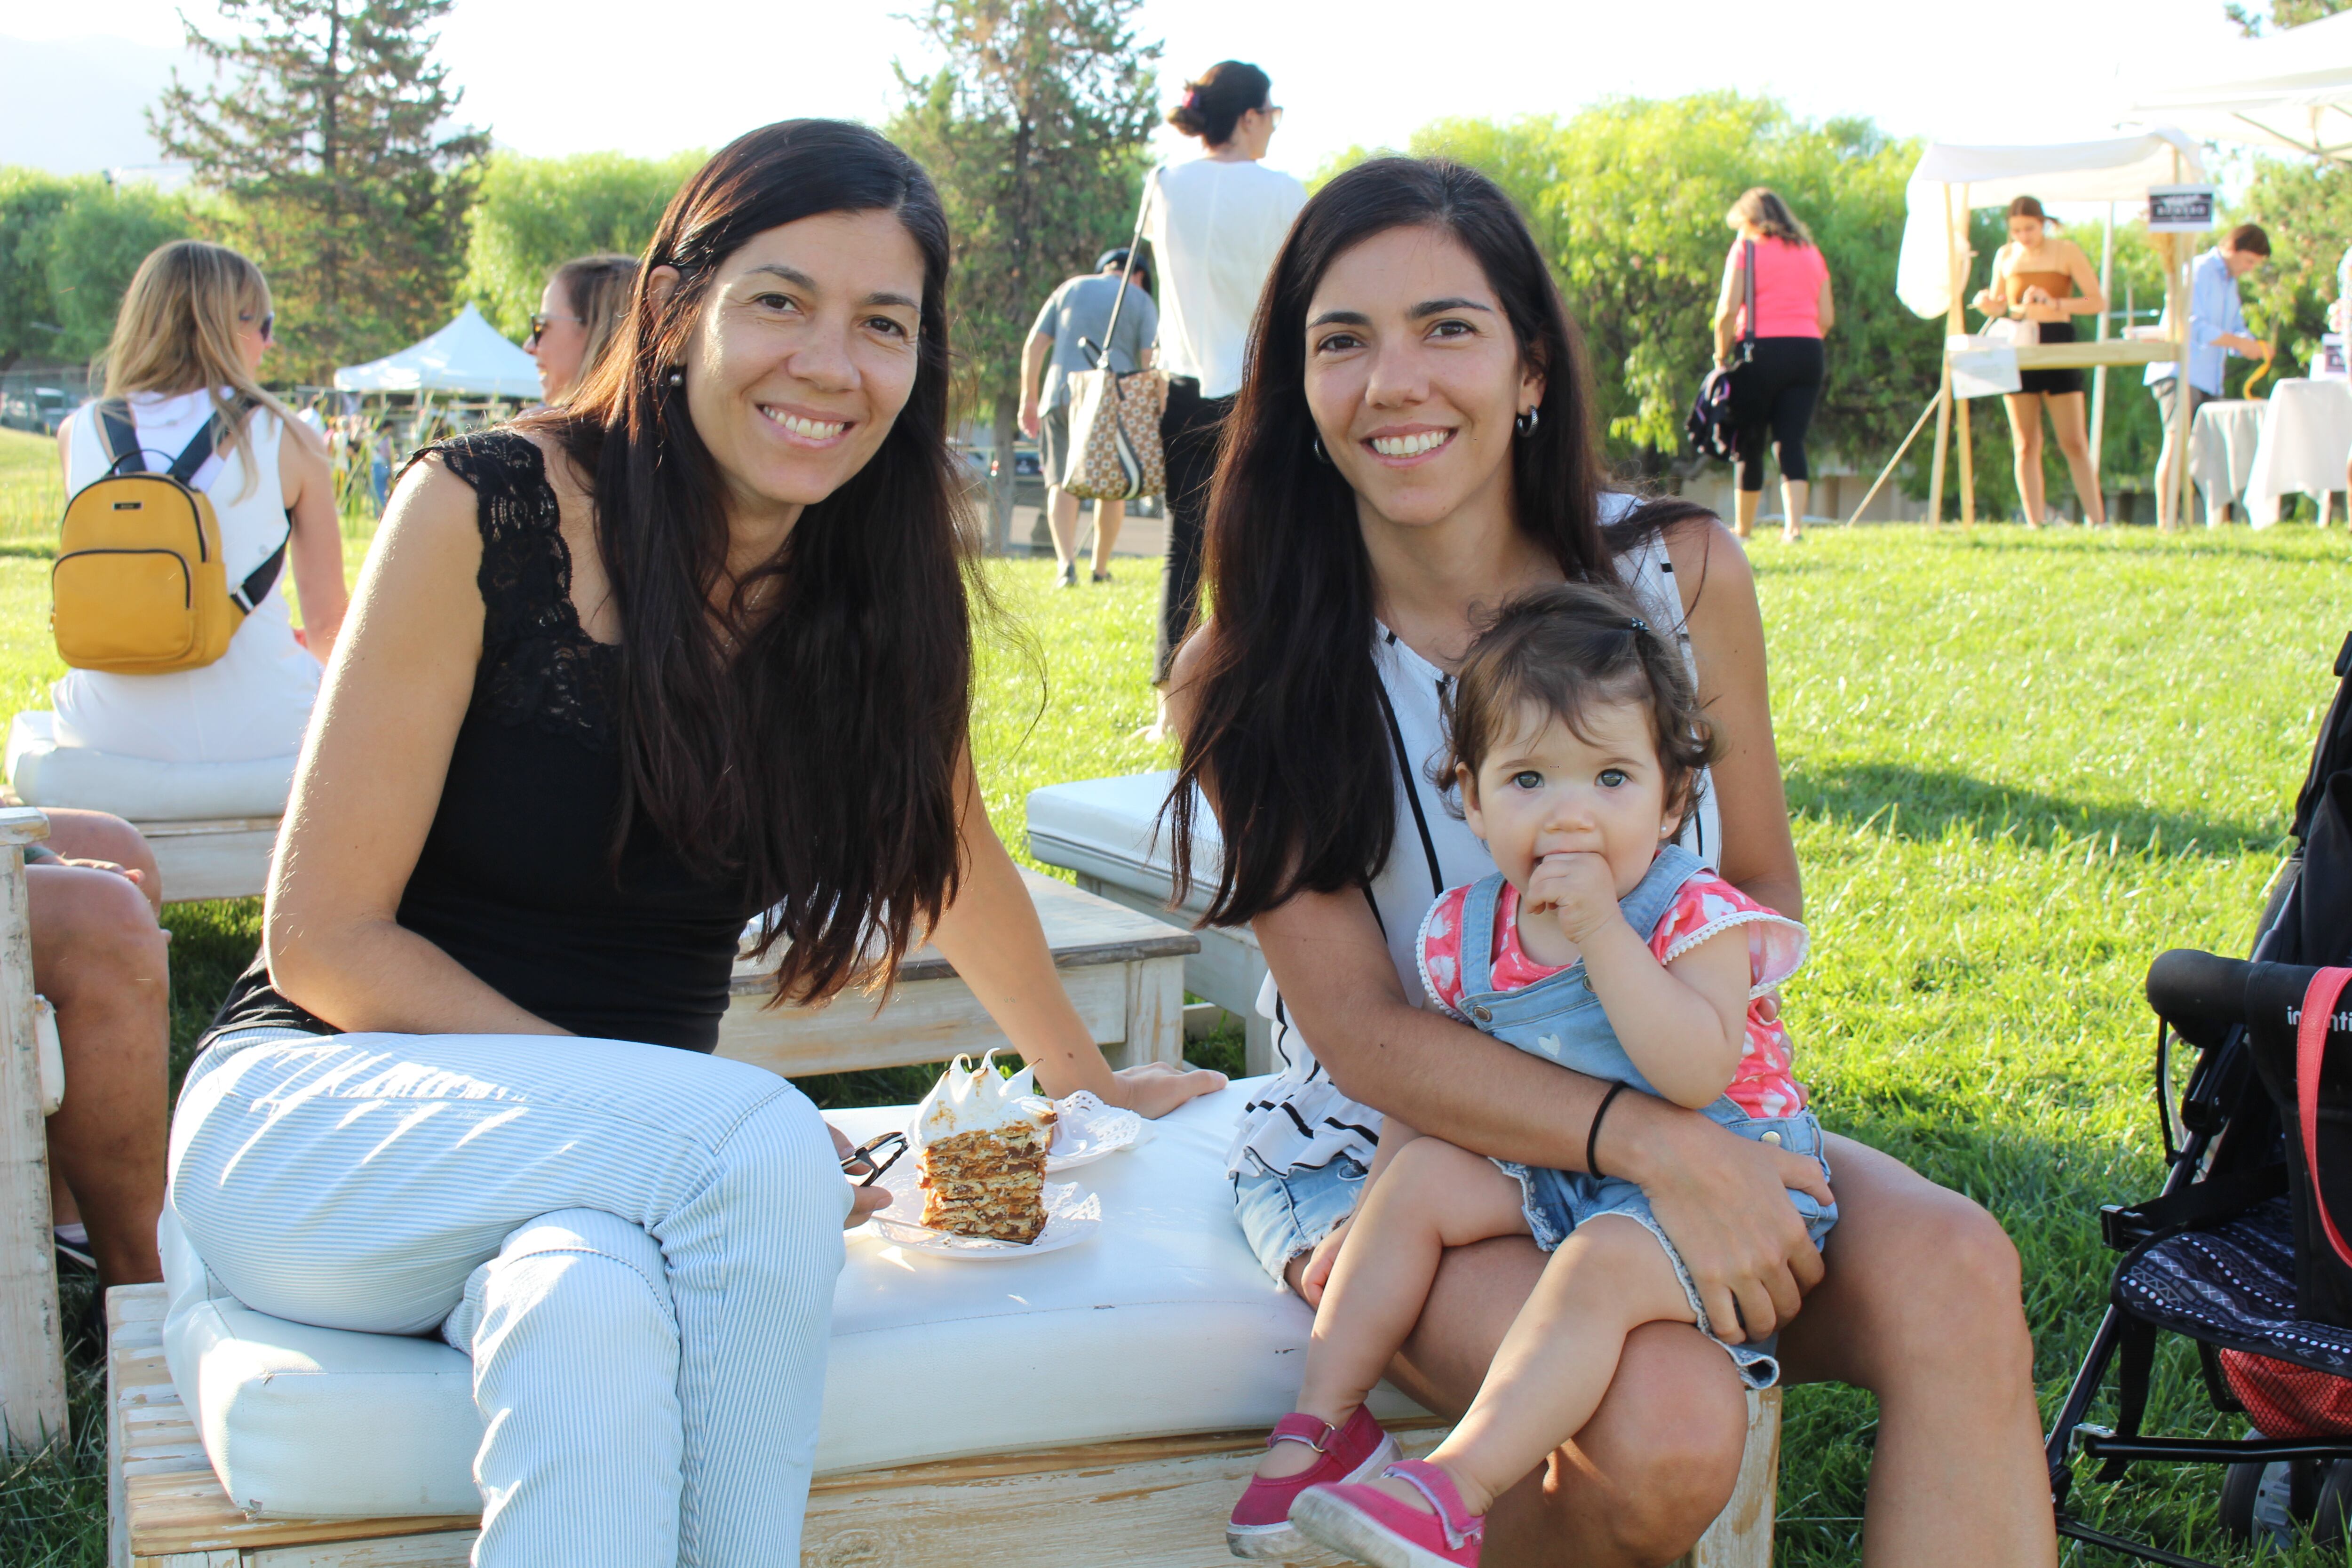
(1085, 1130)
(1072, 1216)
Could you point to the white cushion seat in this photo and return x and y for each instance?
(1107, 828)
(1161, 1324)
(140, 789)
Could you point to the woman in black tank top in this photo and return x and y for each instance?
(689, 651)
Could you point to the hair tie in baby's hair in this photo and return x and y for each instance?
(1637, 626)
(1192, 97)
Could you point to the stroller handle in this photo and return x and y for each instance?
(2203, 995)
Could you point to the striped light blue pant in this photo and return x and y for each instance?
(636, 1245)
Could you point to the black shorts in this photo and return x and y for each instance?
(2053, 383)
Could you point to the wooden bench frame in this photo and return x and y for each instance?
(1158, 1502)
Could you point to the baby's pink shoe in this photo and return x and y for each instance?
(1372, 1527)
(1261, 1523)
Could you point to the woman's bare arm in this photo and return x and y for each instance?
(2088, 298)
(1726, 632)
(1726, 308)
(369, 782)
(1825, 308)
(315, 552)
(992, 935)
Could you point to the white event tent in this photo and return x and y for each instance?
(467, 357)
(2290, 91)
(1932, 270)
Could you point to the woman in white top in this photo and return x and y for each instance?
(1414, 443)
(187, 343)
(1214, 225)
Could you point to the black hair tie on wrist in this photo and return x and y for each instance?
(1592, 1135)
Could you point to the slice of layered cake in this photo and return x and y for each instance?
(981, 1141)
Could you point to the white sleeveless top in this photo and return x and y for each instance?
(1300, 1119)
(253, 702)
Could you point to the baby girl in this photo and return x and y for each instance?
(1601, 945)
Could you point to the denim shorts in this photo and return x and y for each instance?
(1287, 1215)
(1555, 1202)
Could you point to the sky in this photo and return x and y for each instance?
(591, 75)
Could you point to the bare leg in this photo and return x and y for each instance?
(98, 957)
(1608, 1278)
(1110, 516)
(1647, 1474)
(2074, 446)
(2025, 439)
(1744, 504)
(1062, 522)
(1794, 496)
(1921, 1306)
(1432, 1196)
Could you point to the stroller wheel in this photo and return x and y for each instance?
(2239, 1486)
(2331, 1523)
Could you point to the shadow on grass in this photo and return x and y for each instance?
(1923, 805)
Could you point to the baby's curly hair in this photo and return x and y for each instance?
(1562, 649)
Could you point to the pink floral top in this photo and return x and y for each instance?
(1707, 906)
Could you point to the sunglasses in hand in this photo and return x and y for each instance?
(874, 1155)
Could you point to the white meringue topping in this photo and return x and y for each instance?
(969, 1099)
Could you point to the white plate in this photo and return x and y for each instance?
(1085, 1130)
(1072, 1216)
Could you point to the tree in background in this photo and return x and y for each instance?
(342, 174)
(68, 248)
(532, 215)
(1034, 126)
(2283, 14)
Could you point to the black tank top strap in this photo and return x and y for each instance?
(538, 664)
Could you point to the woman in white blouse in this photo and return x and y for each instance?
(187, 344)
(1214, 225)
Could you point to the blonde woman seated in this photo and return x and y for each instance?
(2040, 279)
(187, 346)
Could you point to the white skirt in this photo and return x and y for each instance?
(253, 702)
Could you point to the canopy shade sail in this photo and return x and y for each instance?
(2120, 169)
(2291, 92)
(467, 357)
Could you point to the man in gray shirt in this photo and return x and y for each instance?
(1078, 314)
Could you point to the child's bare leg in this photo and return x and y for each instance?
(1432, 1197)
(1608, 1278)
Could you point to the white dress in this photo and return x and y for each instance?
(1300, 1119)
(253, 702)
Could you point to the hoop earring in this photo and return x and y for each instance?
(1525, 423)
(1322, 456)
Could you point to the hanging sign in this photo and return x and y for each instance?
(2180, 209)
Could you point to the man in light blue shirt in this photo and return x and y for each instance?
(2217, 328)
(1070, 336)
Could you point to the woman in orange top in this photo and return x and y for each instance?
(2048, 281)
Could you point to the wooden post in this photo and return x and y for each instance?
(1944, 397)
(1959, 270)
(2098, 377)
(32, 1339)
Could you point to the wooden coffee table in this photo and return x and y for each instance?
(1124, 972)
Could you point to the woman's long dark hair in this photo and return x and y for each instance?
(1288, 730)
(819, 763)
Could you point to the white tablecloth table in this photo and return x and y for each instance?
(2306, 439)
(2221, 450)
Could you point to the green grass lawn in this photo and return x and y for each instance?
(2020, 765)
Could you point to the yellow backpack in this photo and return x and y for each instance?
(139, 587)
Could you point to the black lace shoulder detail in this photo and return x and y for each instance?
(539, 666)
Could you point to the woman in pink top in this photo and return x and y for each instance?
(1777, 388)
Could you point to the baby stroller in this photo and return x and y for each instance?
(2247, 1252)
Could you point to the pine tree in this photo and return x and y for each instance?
(344, 175)
(1034, 128)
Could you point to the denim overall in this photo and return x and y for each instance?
(1560, 1020)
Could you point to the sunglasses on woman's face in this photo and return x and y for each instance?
(268, 322)
(539, 323)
